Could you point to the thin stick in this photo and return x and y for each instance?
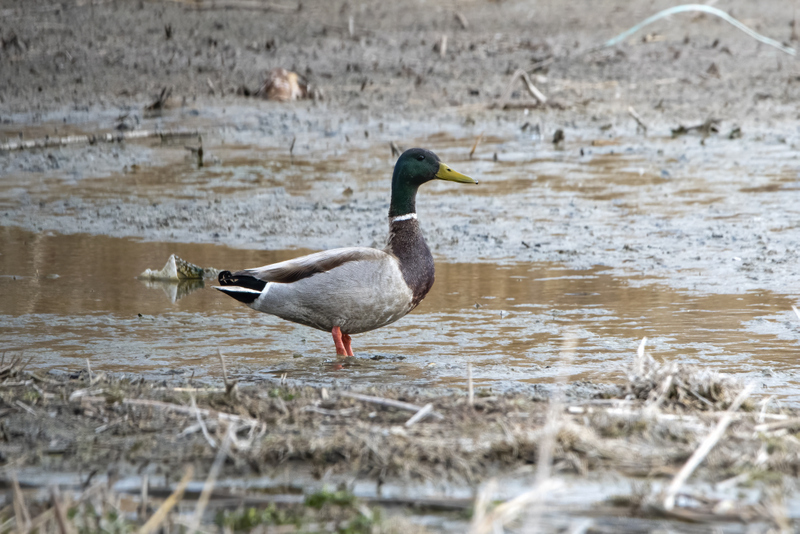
(639, 122)
(702, 451)
(193, 390)
(178, 408)
(475, 145)
(144, 491)
(519, 73)
(510, 87)
(470, 388)
(39, 521)
(482, 503)
(78, 393)
(779, 425)
(462, 20)
(111, 424)
(219, 351)
(511, 509)
(239, 4)
(16, 384)
(420, 415)
(542, 64)
(332, 413)
(764, 405)
(639, 363)
(552, 424)
(229, 385)
(443, 46)
(705, 9)
(532, 89)
(91, 139)
(20, 509)
(213, 473)
(161, 514)
(25, 407)
(61, 518)
(202, 424)
(796, 311)
(388, 402)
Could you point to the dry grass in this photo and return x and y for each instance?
(97, 423)
(677, 384)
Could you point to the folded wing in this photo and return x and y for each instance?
(296, 269)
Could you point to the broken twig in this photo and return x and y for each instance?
(475, 145)
(396, 150)
(639, 122)
(161, 514)
(388, 402)
(442, 45)
(91, 139)
(211, 480)
(251, 5)
(708, 127)
(470, 387)
(224, 416)
(420, 415)
(209, 439)
(532, 89)
(702, 451)
(462, 20)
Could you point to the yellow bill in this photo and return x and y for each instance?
(446, 173)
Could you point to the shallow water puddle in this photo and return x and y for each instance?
(69, 298)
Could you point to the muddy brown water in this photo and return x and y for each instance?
(68, 298)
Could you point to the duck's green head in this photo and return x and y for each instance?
(415, 167)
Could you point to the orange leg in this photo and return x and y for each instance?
(337, 340)
(346, 341)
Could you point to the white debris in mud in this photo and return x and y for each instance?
(178, 269)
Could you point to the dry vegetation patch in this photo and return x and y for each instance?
(98, 423)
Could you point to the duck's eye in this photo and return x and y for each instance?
(420, 157)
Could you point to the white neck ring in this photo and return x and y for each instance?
(405, 217)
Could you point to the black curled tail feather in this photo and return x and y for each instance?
(226, 278)
(242, 287)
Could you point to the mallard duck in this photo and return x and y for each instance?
(351, 290)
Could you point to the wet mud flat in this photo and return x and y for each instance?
(129, 451)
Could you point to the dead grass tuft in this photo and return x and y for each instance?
(675, 383)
